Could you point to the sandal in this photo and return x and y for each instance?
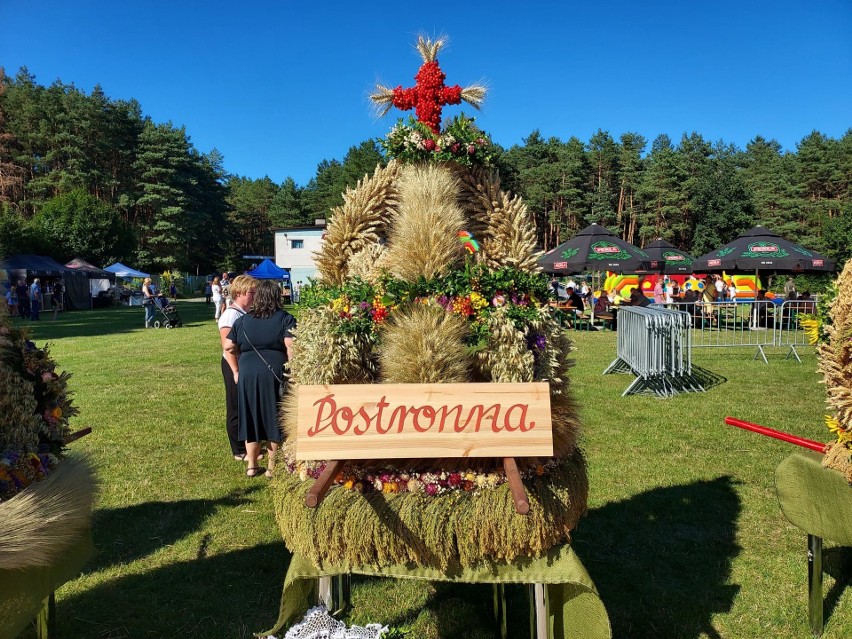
(268, 474)
(244, 457)
(254, 471)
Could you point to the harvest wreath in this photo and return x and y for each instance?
(831, 330)
(428, 275)
(40, 509)
(45, 496)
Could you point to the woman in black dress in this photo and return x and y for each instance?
(261, 339)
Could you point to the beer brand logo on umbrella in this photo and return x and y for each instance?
(569, 253)
(671, 256)
(606, 251)
(764, 249)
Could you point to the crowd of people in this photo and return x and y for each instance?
(217, 292)
(701, 301)
(27, 300)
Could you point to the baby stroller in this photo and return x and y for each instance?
(170, 317)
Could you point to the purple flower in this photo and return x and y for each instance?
(431, 490)
(364, 305)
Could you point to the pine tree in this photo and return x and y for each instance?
(286, 207)
(629, 177)
(161, 211)
(661, 194)
(603, 155)
(770, 176)
(11, 174)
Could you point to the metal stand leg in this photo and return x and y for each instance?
(500, 610)
(46, 620)
(539, 612)
(335, 593)
(815, 584)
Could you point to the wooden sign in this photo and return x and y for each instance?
(391, 421)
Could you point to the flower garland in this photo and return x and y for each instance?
(462, 142)
(473, 293)
(394, 480)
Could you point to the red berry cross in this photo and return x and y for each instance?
(428, 96)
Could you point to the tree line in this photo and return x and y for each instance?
(83, 175)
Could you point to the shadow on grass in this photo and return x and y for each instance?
(837, 562)
(231, 596)
(123, 535)
(661, 560)
(108, 321)
(707, 378)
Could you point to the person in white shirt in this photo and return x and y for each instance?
(242, 290)
(720, 288)
(217, 297)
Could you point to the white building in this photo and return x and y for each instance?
(295, 247)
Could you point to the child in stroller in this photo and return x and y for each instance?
(170, 317)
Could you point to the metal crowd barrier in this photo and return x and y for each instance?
(655, 344)
(788, 326)
(747, 324)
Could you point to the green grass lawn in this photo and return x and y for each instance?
(684, 537)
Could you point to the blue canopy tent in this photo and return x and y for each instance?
(123, 271)
(268, 270)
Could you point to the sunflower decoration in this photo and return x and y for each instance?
(428, 274)
(831, 328)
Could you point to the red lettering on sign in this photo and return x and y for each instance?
(423, 418)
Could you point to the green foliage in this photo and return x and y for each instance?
(171, 277)
(15, 234)
(720, 193)
(461, 141)
(77, 224)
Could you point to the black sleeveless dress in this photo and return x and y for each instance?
(257, 387)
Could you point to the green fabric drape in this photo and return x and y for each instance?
(818, 500)
(576, 610)
(23, 591)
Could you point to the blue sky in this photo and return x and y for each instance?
(279, 86)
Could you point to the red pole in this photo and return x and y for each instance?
(777, 434)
